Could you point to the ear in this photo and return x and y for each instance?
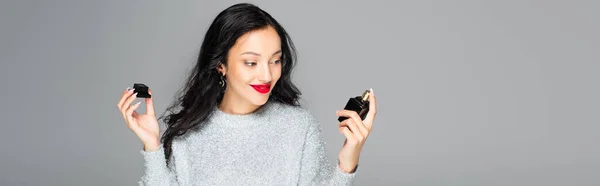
(222, 68)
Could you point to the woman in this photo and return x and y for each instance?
(238, 121)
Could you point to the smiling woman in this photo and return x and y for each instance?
(238, 121)
(252, 70)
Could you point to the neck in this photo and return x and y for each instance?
(235, 104)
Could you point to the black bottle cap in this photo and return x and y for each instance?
(142, 90)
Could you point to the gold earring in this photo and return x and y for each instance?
(223, 81)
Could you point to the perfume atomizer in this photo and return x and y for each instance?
(359, 104)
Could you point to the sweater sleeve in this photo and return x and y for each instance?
(316, 168)
(156, 171)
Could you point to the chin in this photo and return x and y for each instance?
(260, 100)
(257, 98)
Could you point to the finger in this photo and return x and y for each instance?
(131, 109)
(149, 104)
(122, 101)
(124, 97)
(129, 114)
(133, 116)
(128, 101)
(350, 138)
(353, 128)
(363, 129)
(358, 122)
(372, 110)
(127, 104)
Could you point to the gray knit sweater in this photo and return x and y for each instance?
(276, 145)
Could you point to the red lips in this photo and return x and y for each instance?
(262, 88)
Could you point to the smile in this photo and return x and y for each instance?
(262, 88)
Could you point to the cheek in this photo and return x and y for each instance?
(276, 73)
(239, 76)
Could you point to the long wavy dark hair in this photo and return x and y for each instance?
(202, 93)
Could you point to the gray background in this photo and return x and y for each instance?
(469, 92)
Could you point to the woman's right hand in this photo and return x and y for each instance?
(145, 126)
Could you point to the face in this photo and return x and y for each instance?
(253, 66)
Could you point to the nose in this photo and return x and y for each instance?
(264, 74)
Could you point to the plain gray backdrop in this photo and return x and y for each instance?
(469, 92)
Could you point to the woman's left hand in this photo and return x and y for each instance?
(356, 131)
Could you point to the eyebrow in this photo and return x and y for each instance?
(257, 54)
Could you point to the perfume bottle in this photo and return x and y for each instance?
(360, 104)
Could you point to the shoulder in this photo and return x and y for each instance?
(297, 113)
(294, 116)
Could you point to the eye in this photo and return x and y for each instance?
(250, 63)
(276, 61)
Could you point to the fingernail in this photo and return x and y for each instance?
(135, 94)
(138, 103)
(131, 90)
(372, 91)
(127, 88)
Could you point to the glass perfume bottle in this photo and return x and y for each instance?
(360, 104)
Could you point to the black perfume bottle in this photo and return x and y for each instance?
(141, 89)
(360, 104)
